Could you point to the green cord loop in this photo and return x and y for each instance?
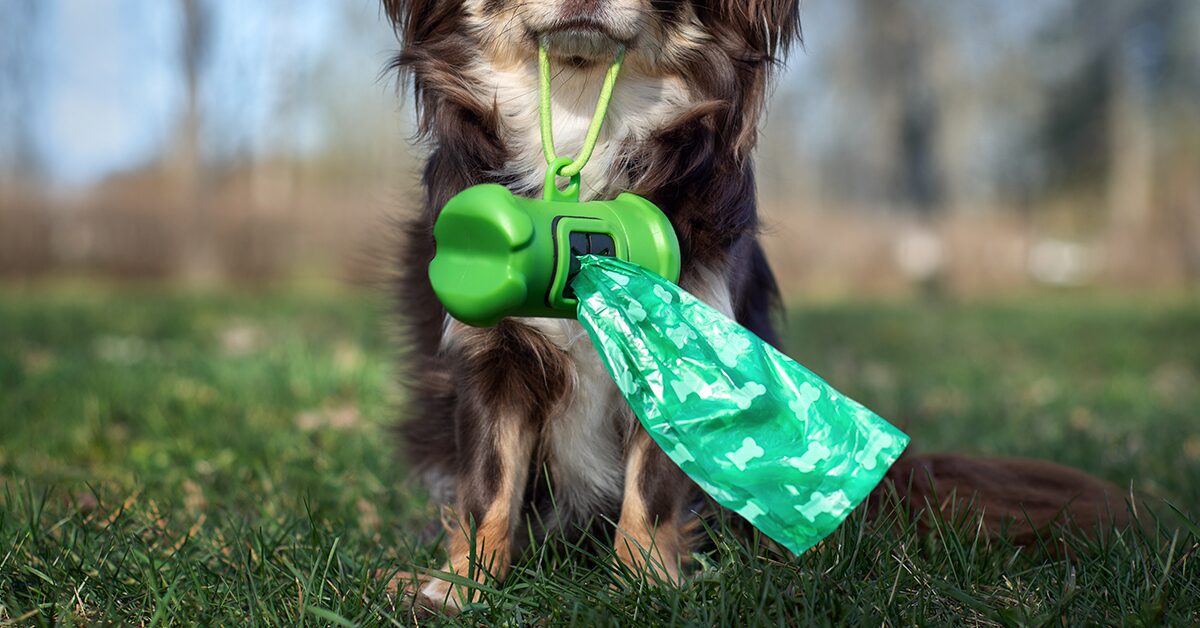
(573, 167)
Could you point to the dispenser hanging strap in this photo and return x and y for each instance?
(572, 167)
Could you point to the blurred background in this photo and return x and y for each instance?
(913, 146)
(985, 215)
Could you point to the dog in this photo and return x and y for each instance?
(519, 424)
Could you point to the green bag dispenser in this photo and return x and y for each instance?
(502, 255)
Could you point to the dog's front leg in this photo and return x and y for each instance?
(655, 534)
(653, 537)
(508, 378)
(480, 530)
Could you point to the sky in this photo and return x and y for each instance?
(115, 90)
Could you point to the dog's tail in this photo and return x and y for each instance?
(1026, 501)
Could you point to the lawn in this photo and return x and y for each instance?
(168, 457)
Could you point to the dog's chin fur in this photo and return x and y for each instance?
(580, 48)
(519, 423)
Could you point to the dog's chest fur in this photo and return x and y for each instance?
(582, 442)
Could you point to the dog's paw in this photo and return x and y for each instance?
(441, 596)
(634, 566)
(424, 596)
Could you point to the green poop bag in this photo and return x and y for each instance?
(758, 432)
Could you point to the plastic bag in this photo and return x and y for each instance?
(758, 432)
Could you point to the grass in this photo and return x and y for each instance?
(168, 457)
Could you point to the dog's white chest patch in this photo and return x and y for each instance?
(639, 106)
(582, 442)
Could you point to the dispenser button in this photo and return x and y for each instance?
(583, 243)
(602, 244)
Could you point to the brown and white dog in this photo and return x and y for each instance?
(520, 424)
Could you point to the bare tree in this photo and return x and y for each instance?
(885, 64)
(1116, 129)
(200, 262)
(19, 158)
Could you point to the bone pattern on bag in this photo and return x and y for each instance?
(760, 433)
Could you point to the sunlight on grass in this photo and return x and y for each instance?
(168, 456)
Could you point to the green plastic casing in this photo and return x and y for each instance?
(502, 255)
